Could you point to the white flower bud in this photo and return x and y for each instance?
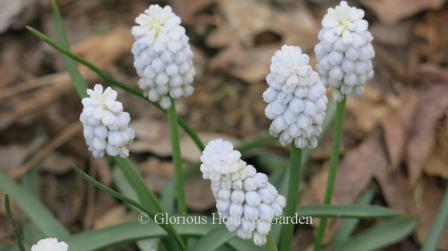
(259, 239)
(296, 98)
(237, 197)
(163, 58)
(105, 123)
(236, 210)
(50, 244)
(263, 227)
(253, 198)
(250, 184)
(242, 194)
(345, 50)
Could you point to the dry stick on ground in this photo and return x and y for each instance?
(34, 83)
(59, 140)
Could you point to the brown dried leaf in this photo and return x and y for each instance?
(156, 173)
(198, 195)
(187, 9)
(396, 34)
(394, 137)
(368, 110)
(437, 163)
(251, 67)
(432, 106)
(248, 22)
(11, 156)
(354, 173)
(58, 163)
(432, 37)
(153, 136)
(115, 215)
(103, 50)
(392, 11)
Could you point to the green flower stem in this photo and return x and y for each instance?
(291, 201)
(439, 224)
(334, 160)
(175, 148)
(271, 245)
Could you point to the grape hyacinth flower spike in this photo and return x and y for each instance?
(244, 197)
(296, 98)
(344, 52)
(50, 244)
(106, 125)
(163, 58)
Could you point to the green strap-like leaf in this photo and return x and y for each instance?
(12, 222)
(214, 239)
(165, 226)
(75, 75)
(439, 224)
(110, 80)
(346, 211)
(135, 180)
(33, 209)
(349, 225)
(378, 236)
(133, 231)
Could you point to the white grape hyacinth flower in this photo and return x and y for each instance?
(106, 125)
(163, 58)
(244, 197)
(296, 98)
(50, 244)
(345, 52)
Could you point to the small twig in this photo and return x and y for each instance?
(59, 140)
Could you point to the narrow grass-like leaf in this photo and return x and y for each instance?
(271, 245)
(167, 227)
(5, 247)
(135, 180)
(12, 222)
(349, 225)
(133, 231)
(75, 75)
(167, 198)
(378, 236)
(110, 80)
(346, 211)
(33, 209)
(122, 184)
(214, 239)
(439, 224)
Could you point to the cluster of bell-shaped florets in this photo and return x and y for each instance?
(344, 52)
(106, 125)
(162, 56)
(244, 198)
(50, 244)
(296, 98)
